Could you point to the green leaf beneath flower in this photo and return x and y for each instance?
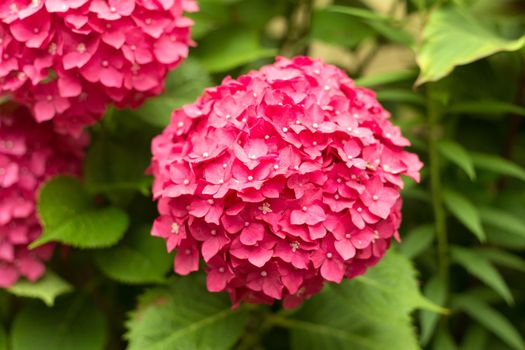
(47, 289)
(184, 315)
(69, 216)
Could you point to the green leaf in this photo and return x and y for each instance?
(183, 86)
(444, 340)
(490, 319)
(436, 291)
(112, 168)
(417, 241)
(47, 289)
(385, 78)
(480, 267)
(475, 338)
(333, 28)
(383, 25)
(498, 165)
(454, 152)
(453, 37)
(70, 324)
(369, 312)
(400, 95)
(230, 48)
(502, 258)
(3, 338)
(139, 258)
(465, 212)
(69, 216)
(184, 315)
(486, 107)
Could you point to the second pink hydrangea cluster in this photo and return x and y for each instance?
(30, 153)
(67, 59)
(280, 180)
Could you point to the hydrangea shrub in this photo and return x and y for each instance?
(280, 180)
(67, 60)
(30, 154)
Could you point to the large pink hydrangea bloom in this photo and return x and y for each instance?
(30, 153)
(67, 59)
(280, 180)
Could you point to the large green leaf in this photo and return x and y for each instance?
(229, 48)
(453, 37)
(183, 86)
(368, 312)
(47, 289)
(490, 319)
(139, 258)
(498, 165)
(475, 338)
(458, 155)
(465, 212)
(184, 315)
(480, 267)
(71, 324)
(70, 216)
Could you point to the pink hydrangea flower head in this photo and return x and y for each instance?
(30, 153)
(280, 180)
(67, 59)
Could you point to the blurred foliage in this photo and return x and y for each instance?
(452, 73)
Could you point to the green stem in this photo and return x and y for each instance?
(298, 27)
(434, 130)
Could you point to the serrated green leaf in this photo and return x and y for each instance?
(71, 324)
(230, 48)
(417, 241)
(184, 315)
(69, 216)
(454, 152)
(436, 291)
(491, 319)
(498, 165)
(385, 78)
(47, 289)
(502, 258)
(465, 212)
(453, 37)
(482, 268)
(486, 107)
(368, 312)
(183, 86)
(139, 258)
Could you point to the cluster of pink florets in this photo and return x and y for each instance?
(67, 59)
(282, 179)
(30, 153)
